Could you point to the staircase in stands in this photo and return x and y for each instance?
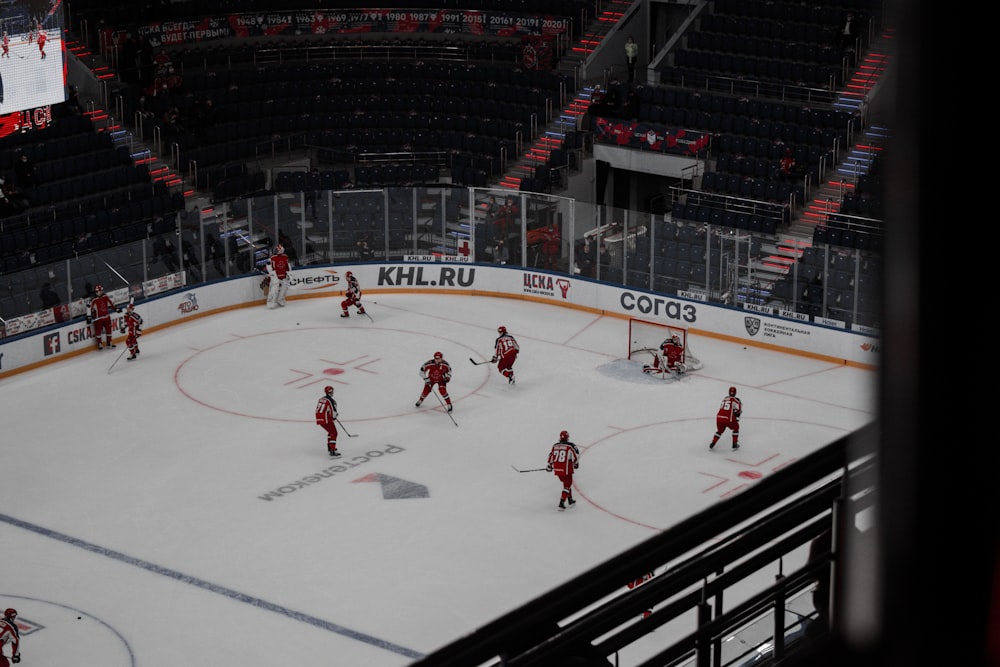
(856, 97)
(159, 170)
(553, 136)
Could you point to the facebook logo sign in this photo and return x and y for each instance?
(51, 343)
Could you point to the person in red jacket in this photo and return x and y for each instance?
(326, 417)
(132, 328)
(728, 417)
(436, 371)
(353, 296)
(9, 634)
(564, 458)
(99, 317)
(505, 354)
(279, 271)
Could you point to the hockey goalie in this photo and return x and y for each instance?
(669, 359)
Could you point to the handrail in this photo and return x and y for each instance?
(786, 503)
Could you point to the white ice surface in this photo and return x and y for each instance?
(135, 499)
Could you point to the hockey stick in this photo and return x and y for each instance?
(446, 411)
(349, 435)
(369, 316)
(122, 354)
(479, 363)
(529, 470)
(117, 274)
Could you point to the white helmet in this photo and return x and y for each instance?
(279, 249)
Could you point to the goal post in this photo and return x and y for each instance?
(645, 338)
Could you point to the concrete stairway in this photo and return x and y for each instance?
(567, 119)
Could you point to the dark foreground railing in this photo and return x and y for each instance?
(724, 573)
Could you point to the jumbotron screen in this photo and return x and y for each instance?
(32, 54)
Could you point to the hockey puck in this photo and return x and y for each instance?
(297, 324)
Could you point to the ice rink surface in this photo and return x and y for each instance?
(183, 506)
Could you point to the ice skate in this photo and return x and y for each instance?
(345, 314)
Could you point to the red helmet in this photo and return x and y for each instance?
(348, 274)
(10, 613)
(732, 391)
(563, 436)
(328, 390)
(98, 288)
(438, 355)
(501, 330)
(279, 249)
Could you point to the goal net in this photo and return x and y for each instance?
(645, 338)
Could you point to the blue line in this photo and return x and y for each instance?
(214, 588)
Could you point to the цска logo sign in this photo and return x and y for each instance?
(752, 325)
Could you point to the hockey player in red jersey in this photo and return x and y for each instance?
(639, 581)
(564, 458)
(278, 270)
(42, 37)
(670, 358)
(728, 417)
(505, 353)
(326, 417)
(436, 371)
(99, 316)
(132, 328)
(353, 296)
(9, 634)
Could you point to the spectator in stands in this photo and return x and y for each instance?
(172, 120)
(585, 258)
(630, 110)
(24, 169)
(505, 218)
(847, 31)
(787, 165)
(365, 251)
(216, 253)
(175, 82)
(128, 51)
(164, 250)
(500, 253)
(12, 198)
(162, 59)
(604, 256)
(631, 56)
(191, 262)
(72, 105)
(49, 297)
(310, 195)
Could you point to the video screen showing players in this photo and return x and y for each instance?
(32, 54)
